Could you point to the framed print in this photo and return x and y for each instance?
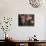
(26, 19)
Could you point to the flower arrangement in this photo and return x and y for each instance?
(6, 24)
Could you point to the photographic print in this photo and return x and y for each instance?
(26, 19)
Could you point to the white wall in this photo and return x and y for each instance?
(11, 8)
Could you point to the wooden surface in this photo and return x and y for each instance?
(25, 44)
(26, 41)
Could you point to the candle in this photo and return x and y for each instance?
(7, 35)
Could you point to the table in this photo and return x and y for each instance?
(28, 43)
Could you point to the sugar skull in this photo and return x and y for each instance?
(35, 3)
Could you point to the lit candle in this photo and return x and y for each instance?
(7, 35)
